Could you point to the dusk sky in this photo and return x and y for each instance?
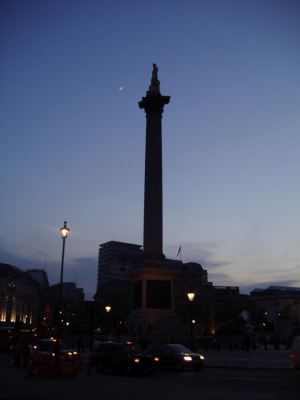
(73, 137)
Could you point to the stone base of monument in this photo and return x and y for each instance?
(157, 325)
(152, 312)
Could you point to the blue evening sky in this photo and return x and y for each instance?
(73, 137)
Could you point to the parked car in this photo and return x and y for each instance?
(48, 359)
(295, 353)
(176, 357)
(116, 357)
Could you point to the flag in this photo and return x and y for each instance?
(179, 251)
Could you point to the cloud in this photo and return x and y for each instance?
(286, 270)
(263, 285)
(17, 260)
(86, 269)
(221, 279)
(82, 262)
(208, 263)
(83, 268)
(200, 252)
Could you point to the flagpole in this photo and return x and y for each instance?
(179, 252)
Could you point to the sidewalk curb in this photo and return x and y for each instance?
(249, 367)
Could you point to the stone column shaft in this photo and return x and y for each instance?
(153, 197)
(153, 104)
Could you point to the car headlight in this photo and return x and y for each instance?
(156, 359)
(136, 360)
(201, 357)
(187, 358)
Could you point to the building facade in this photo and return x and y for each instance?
(114, 286)
(114, 261)
(19, 297)
(279, 307)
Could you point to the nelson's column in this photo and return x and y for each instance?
(153, 278)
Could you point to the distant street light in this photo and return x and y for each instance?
(191, 298)
(109, 321)
(107, 309)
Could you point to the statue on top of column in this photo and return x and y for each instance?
(154, 87)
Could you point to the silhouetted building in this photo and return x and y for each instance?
(72, 304)
(70, 294)
(40, 277)
(280, 305)
(114, 261)
(114, 286)
(19, 300)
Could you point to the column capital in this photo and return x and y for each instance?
(153, 103)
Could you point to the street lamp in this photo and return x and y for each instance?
(107, 309)
(64, 230)
(191, 297)
(109, 322)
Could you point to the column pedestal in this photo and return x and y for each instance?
(153, 302)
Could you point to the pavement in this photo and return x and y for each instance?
(254, 359)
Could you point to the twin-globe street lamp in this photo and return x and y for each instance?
(64, 230)
(191, 297)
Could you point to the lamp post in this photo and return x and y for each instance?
(91, 313)
(64, 230)
(191, 298)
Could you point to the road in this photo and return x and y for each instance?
(210, 384)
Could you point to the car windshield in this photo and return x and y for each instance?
(132, 348)
(179, 348)
(112, 347)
